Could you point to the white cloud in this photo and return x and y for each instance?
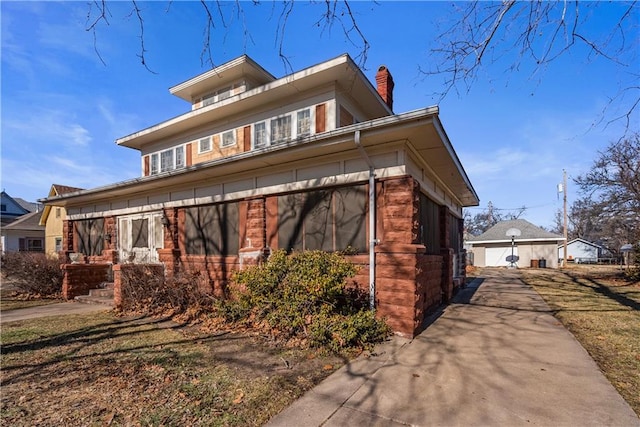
(46, 125)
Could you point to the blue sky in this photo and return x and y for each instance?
(62, 108)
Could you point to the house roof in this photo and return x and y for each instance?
(586, 242)
(22, 207)
(341, 71)
(28, 221)
(529, 232)
(222, 75)
(420, 128)
(55, 190)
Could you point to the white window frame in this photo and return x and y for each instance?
(223, 138)
(291, 127)
(218, 95)
(177, 160)
(179, 157)
(209, 141)
(155, 164)
(169, 164)
(300, 134)
(58, 244)
(264, 132)
(295, 131)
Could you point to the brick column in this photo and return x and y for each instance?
(397, 298)
(253, 247)
(170, 254)
(117, 286)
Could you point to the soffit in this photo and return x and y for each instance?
(421, 129)
(239, 68)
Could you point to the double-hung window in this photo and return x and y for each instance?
(166, 161)
(180, 162)
(280, 129)
(155, 164)
(304, 123)
(204, 145)
(228, 138)
(260, 135)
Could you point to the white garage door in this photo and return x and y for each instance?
(496, 257)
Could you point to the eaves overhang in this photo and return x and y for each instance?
(222, 75)
(341, 71)
(419, 127)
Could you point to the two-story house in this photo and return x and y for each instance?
(52, 220)
(312, 160)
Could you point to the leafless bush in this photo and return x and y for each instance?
(33, 272)
(145, 289)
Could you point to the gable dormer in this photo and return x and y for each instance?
(232, 78)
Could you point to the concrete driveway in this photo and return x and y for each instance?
(495, 357)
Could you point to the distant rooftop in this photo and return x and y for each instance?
(528, 232)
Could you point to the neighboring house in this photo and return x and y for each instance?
(52, 219)
(11, 209)
(582, 251)
(313, 160)
(23, 234)
(491, 248)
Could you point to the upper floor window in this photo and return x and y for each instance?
(155, 164)
(280, 129)
(260, 135)
(204, 145)
(168, 160)
(57, 212)
(180, 163)
(229, 138)
(304, 122)
(216, 96)
(283, 128)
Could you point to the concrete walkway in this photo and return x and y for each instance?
(496, 357)
(55, 309)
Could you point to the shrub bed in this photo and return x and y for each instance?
(304, 295)
(146, 290)
(33, 272)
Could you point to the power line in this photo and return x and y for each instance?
(512, 209)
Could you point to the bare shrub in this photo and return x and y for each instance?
(33, 272)
(146, 290)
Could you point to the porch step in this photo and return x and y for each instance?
(89, 299)
(101, 293)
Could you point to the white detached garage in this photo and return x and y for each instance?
(534, 246)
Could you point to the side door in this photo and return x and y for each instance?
(140, 236)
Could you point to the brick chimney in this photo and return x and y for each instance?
(385, 85)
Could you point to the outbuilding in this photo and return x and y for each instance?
(534, 246)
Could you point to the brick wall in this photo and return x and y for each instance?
(78, 279)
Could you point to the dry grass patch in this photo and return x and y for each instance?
(99, 369)
(602, 310)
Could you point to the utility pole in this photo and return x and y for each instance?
(564, 196)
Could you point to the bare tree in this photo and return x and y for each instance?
(482, 221)
(218, 14)
(534, 34)
(478, 37)
(611, 194)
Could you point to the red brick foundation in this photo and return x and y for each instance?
(78, 279)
